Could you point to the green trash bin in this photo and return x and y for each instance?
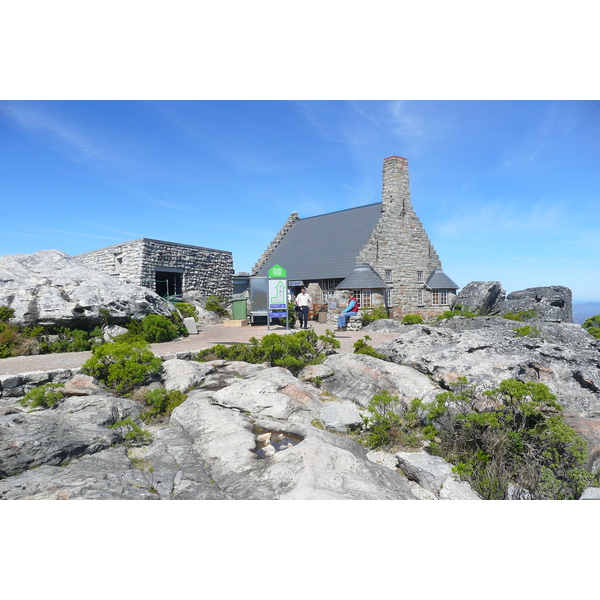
(239, 309)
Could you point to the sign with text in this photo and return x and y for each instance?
(277, 294)
(277, 271)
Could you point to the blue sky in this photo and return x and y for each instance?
(507, 190)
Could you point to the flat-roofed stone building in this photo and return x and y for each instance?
(387, 237)
(165, 267)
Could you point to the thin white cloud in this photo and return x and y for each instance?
(72, 141)
(502, 218)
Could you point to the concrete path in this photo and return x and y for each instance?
(208, 336)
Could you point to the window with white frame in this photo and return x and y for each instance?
(388, 276)
(389, 297)
(363, 298)
(328, 288)
(420, 301)
(439, 297)
(420, 276)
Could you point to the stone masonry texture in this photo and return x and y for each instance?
(203, 269)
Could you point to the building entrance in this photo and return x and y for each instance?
(168, 283)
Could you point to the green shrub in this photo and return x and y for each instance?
(46, 395)
(449, 314)
(362, 346)
(152, 329)
(217, 304)
(411, 319)
(157, 328)
(161, 403)
(527, 331)
(512, 435)
(70, 340)
(293, 351)
(122, 366)
(524, 315)
(186, 309)
(131, 433)
(374, 314)
(592, 326)
(391, 423)
(6, 313)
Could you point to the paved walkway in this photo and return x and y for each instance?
(208, 336)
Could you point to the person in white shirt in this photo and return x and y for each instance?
(303, 302)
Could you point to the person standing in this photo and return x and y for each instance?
(303, 302)
(350, 311)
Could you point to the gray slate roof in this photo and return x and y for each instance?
(438, 280)
(362, 278)
(325, 246)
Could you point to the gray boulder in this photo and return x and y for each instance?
(481, 297)
(51, 288)
(273, 392)
(385, 325)
(591, 493)
(435, 475)
(74, 427)
(340, 416)
(552, 303)
(486, 351)
(184, 375)
(107, 475)
(358, 377)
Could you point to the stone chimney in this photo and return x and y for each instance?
(396, 190)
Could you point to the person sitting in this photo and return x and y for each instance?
(350, 311)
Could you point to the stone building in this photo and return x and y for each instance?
(165, 267)
(385, 240)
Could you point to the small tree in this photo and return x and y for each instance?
(592, 326)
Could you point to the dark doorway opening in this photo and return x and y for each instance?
(168, 283)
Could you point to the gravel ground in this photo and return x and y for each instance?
(208, 336)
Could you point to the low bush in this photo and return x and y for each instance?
(510, 437)
(70, 340)
(161, 403)
(524, 315)
(391, 423)
(527, 331)
(411, 319)
(6, 314)
(121, 365)
(217, 304)
(46, 395)
(362, 346)
(293, 351)
(186, 309)
(131, 433)
(374, 314)
(449, 314)
(152, 329)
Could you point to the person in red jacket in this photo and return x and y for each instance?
(350, 311)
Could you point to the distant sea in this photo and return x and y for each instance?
(585, 310)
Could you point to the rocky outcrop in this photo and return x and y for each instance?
(50, 288)
(552, 303)
(251, 431)
(481, 297)
(74, 427)
(487, 350)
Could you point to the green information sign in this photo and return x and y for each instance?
(277, 271)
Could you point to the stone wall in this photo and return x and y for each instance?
(205, 270)
(401, 245)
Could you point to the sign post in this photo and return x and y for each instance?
(278, 307)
